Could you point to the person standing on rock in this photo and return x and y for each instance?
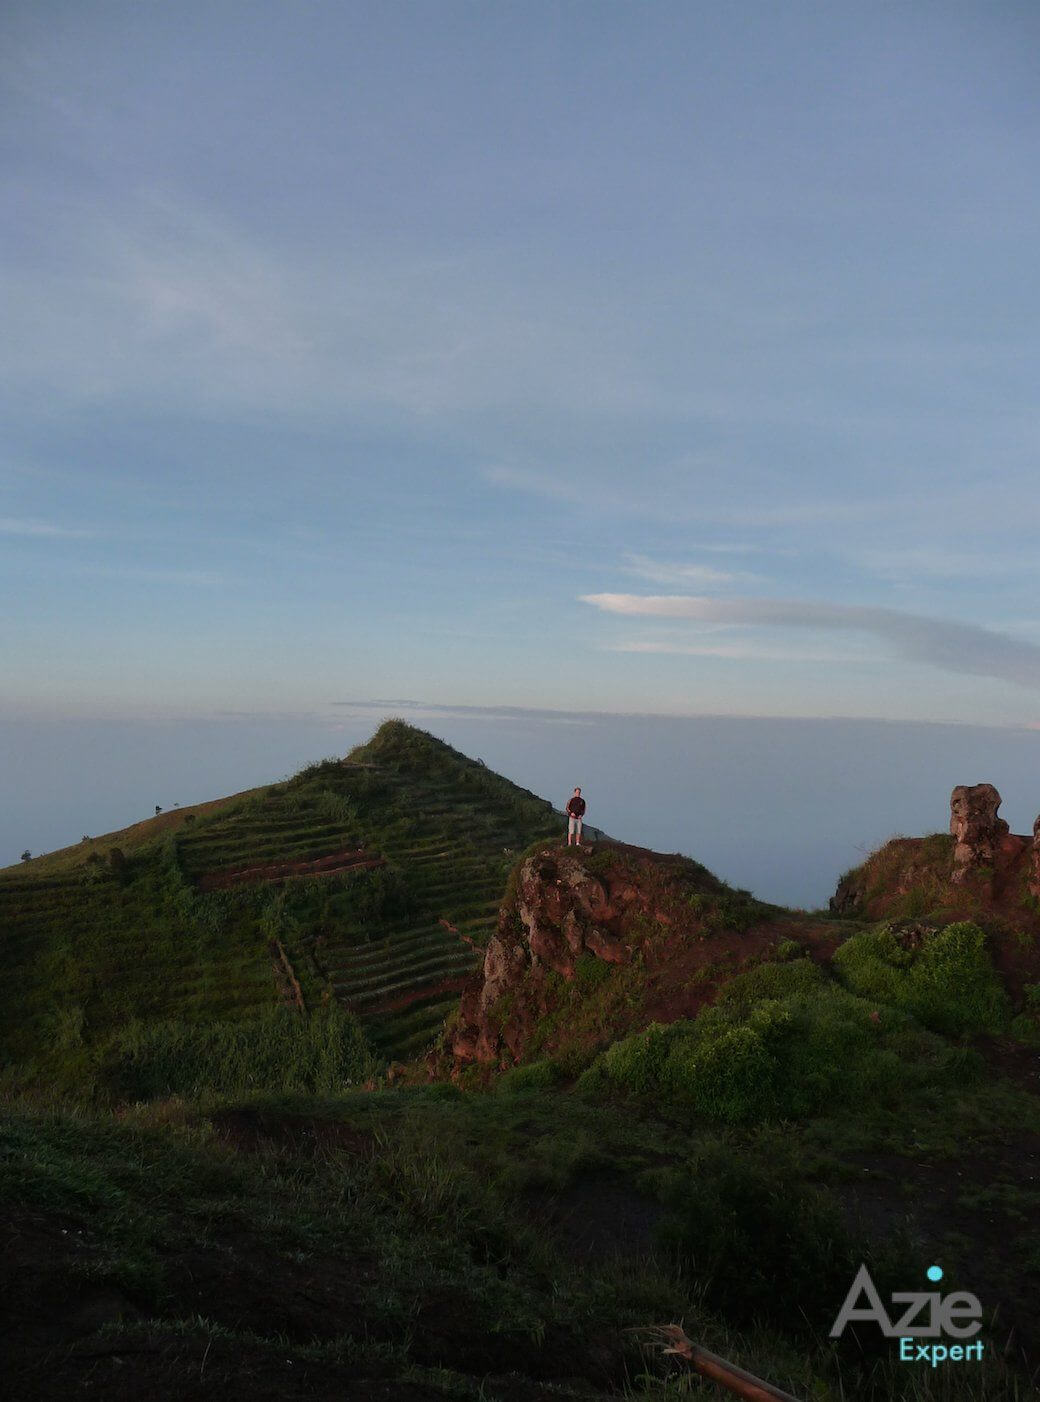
(575, 813)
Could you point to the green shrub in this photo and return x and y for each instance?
(590, 972)
(368, 896)
(751, 1058)
(538, 1075)
(336, 807)
(635, 1063)
(948, 983)
(729, 1076)
(1026, 1028)
(594, 1080)
(329, 768)
(772, 980)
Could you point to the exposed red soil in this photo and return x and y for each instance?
(348, 859)
(1014, 1060)
(1012, 868)
(675, 985)
(618, 903)
(428, 990)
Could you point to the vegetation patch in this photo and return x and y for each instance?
(99, 937)
(280, 1049)
(762, 1248)
(783, 1041)
(944, 977)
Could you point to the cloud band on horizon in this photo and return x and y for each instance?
(953, 647)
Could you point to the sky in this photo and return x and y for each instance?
(670, 359)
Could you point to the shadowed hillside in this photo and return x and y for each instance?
(654, 1099)
(370, 881)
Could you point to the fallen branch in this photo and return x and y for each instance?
(719, 1370)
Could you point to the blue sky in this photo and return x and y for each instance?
(672, 358)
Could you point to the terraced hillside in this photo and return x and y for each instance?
(420, 839)
(372, 880)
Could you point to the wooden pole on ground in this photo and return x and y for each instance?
(719, 1370)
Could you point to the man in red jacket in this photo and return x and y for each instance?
(575, 813)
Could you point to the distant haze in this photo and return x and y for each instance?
(778, 806)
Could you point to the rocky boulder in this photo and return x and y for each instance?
(977, 831)
(560, 910)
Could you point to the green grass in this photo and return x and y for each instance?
(90, 944)
(783, 1041)
(276, 1050)
(947, 980)
(728, 1170)
(424, 1227)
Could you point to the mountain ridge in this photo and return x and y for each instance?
(191, 914)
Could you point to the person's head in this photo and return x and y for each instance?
(577, 793)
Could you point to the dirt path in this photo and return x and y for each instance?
(349, 859)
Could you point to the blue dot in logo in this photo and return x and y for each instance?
(935, 1272)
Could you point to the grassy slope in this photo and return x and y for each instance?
(415, 1243)
(409, 1243)
(86, 947)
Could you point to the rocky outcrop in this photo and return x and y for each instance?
(560, 911)
(848, 898)
(978, 870)
(977, 831)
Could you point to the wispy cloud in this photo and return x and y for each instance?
(416, 710)
(13, 525)
(663, 498)
(741, 652)
(661, 572)
(166, 297)
(953, 647)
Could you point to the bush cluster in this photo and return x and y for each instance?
(948, 982)
(783, 1041)
(537, 1075)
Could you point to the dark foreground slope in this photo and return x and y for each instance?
(436, 1243)
(364, 881)
(659, 1100)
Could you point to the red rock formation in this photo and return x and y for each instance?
(977, 831)
(1034, 882)
(560, 911)
(545, 988)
